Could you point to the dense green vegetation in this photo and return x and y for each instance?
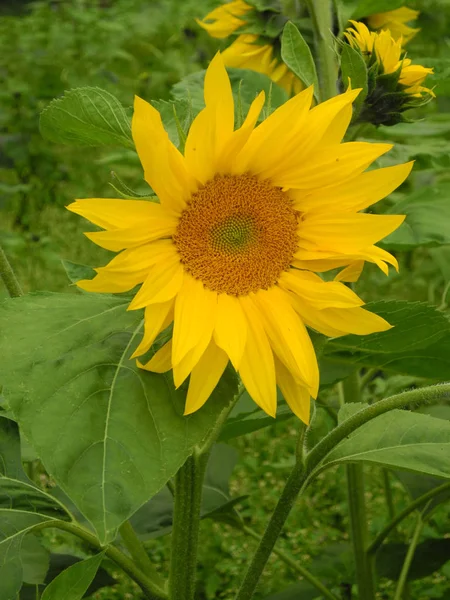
(144, 47)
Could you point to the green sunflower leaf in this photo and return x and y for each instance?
(398, 439)
(109, 433)
(87, 117)
(418, 344)
(296, 54)
(72, 583)
(427, 220)
(429, 556)
(354, 73)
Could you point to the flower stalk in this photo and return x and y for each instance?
(321, 12)
(357, 508)
(8, 276)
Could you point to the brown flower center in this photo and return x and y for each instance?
(237, 234)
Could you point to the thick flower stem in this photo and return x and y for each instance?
(357, 509)
(186, 523)
(8, 276)
(287, 499)
(138, 553)
(321, 12)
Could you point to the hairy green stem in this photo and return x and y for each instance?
(139, 554)
(8, 276)
(321, 12)
(149, 587)
(408, 559)
(295, 566)
(302, 474)
(417, 503)
(357, 508)
(186, 523)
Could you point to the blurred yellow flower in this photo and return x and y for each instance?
(244, 219)
(388, 52)
(396, 21)
(249, 51)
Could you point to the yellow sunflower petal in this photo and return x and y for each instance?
(355, 194)
(276, 136)
(161, 362)
(156, 317)
(118, 239)
(230, 331)
(257, 368)
(138, 260)
(213, 126)
(345, 232)
(333, 165)
(195, 313)
(297, 396)
(162, 284)
(224, 20)
(351, 273)
(335, 322)
(106, 284)
(288, 336)
(110, 213)
(182, 369)
(204, 377)
(322, 294)
(321, 261)
(164, 167)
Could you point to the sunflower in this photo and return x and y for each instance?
(244, 221)
(396, 21)
(382, 49)
(249, 51)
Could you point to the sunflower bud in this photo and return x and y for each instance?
(394, 84)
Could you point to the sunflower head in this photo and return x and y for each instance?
(394, 83)
(396, 21)
(246, 220)
(257, 46)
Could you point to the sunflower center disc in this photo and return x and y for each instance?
(237, 234)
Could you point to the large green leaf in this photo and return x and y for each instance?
(72, 583)
(87, 117)
(296, 54)
(35, 560)
(429, 556)
(109, 433)
(427, 220)
(418, 344)
(399, 439)
(354, 73)
(14, 525)
(17, 491)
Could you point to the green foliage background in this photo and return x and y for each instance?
(145, 47)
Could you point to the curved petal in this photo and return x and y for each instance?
(204, 377)
(195, 313)
(321, 294)
(345, 232)
(335, 322)
(142, 233)
(162, 284)
(257, 368)
(330, 165)
(211, 130)
(161, 362)
(164, 166)
(355, 194)
(182, 369)
(274, 139)
(351, 273)
(111, 213)
(325, 261)
(157, 318)
(288, 336)
(230, 331)
(296, 395)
